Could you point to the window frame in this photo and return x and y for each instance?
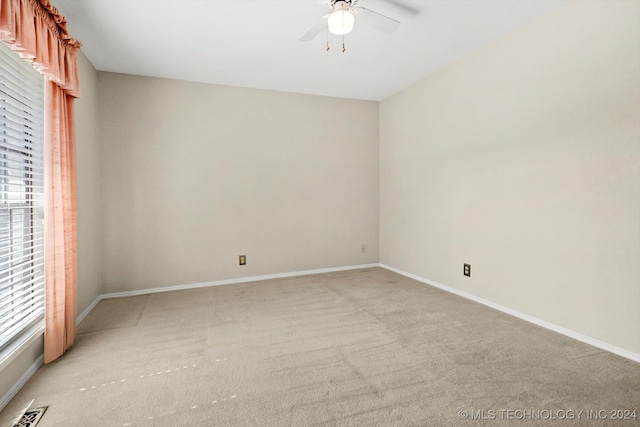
(22, 274)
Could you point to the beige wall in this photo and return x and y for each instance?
(523, 160)
(194, 175)
(89, 212)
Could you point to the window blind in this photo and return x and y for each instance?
(21, 196)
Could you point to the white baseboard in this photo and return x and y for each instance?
(234, 281)
(542, 323)
(4, 401)
(547, 325)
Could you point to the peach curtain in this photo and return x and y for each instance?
(60, 223)
(36, 30)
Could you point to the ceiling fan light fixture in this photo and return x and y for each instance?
(341, 21)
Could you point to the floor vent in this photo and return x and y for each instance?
(31, 417)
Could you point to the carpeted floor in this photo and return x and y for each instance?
(356, 348)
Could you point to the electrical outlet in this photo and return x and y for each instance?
(242, 259)
(467, 270)
(364, 248)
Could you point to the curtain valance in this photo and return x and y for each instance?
(38, 32)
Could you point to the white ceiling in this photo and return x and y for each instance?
(254, 43)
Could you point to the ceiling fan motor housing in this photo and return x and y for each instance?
(348, 3)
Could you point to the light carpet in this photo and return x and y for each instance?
(357, 348)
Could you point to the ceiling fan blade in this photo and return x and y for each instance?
(316, 29)
(396, 5)
(378, 21)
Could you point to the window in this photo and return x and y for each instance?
(21, 197)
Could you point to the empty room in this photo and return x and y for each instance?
(319, 213)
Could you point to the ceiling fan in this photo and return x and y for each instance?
(341, 19)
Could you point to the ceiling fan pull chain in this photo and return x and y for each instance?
(343, 48)
(328, 40)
